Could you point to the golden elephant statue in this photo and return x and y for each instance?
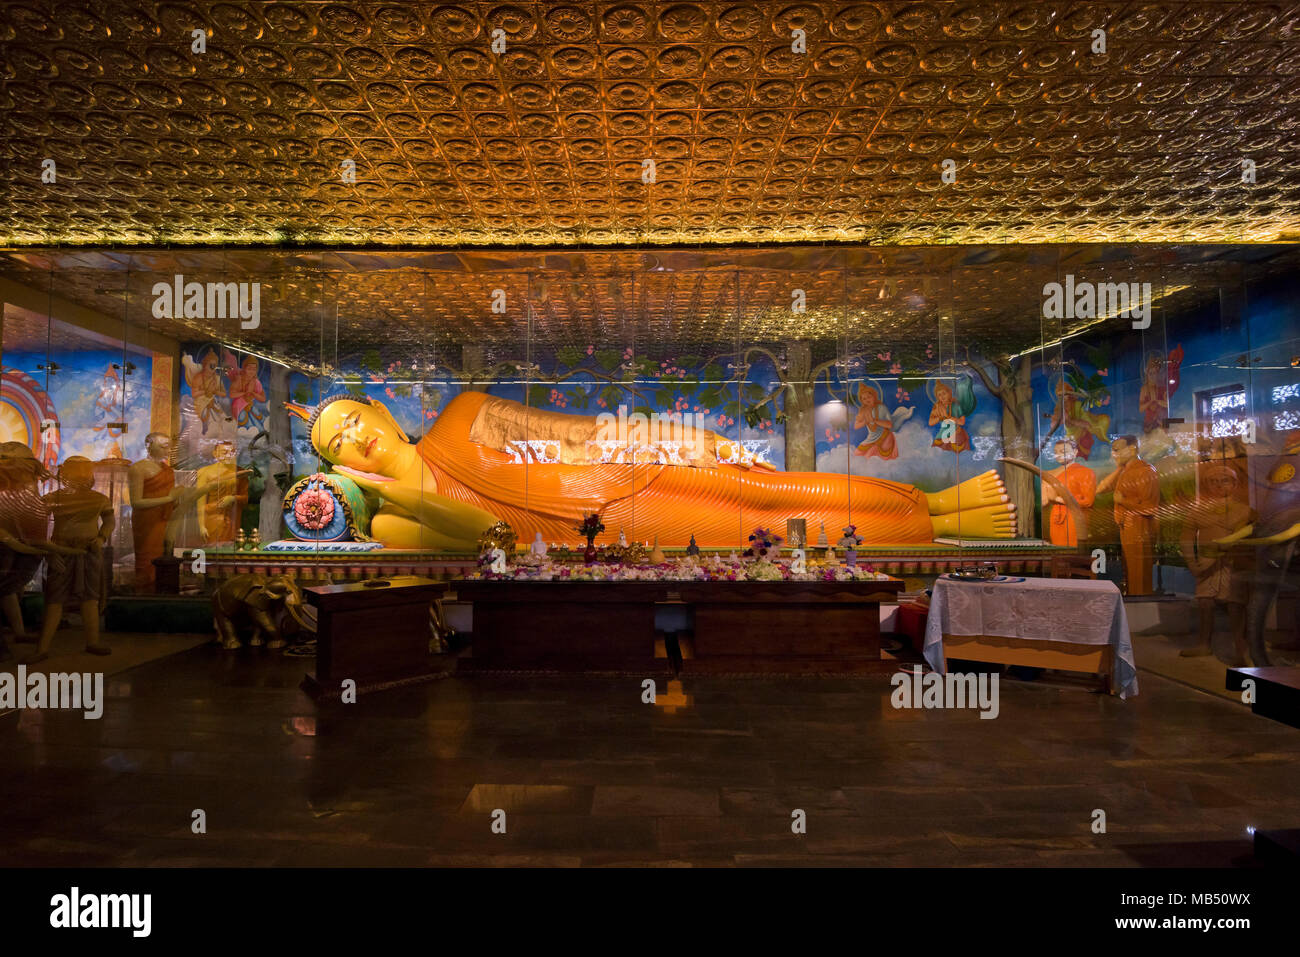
(260, 601)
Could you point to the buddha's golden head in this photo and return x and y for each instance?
(357, 433)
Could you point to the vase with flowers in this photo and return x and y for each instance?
(764, 545)
(591, 527)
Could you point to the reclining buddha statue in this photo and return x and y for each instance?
(488, 459)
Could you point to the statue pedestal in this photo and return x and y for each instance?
(167, 580)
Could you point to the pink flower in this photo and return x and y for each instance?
(895, 369)
(314, 509)
(882, 356)
(590, 349)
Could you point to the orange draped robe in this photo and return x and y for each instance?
(1140, 484)
(1082, 483)
(720, 506)
(148, 526)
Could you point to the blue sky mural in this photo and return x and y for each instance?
(91, 391)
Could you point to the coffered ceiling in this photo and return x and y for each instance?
(549, 141)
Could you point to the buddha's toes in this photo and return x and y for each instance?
(986, 489)
(985, 521)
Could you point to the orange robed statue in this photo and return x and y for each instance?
(152, 483)
(1137, 496)
(1081, 481)
(488, 459)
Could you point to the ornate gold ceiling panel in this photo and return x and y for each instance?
(536, 123)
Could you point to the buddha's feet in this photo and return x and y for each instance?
(986, 489)
(987, 521)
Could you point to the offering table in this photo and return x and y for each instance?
(1069, 624)
(787, 627)
(566, 626)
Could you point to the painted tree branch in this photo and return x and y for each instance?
(1004, 390)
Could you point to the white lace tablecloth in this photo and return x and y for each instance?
(1037, 609)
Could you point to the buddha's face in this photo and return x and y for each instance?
(1065, 453)
(1122, 452)
(359, 436)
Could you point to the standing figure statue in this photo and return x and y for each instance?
(152, 485)
(1137, 496)
(83, 525)
(225, 494)
(1272, 539)
(1217, 515)
(1059, 524)
(24, 525)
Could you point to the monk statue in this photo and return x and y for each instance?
(152, 484)
(1137, 496)
(472, 469)
(225, 493)
(1081, 482)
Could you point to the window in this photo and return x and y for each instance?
(1221, 412)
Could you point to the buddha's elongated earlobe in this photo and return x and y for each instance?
(391, 418)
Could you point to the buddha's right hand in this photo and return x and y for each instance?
(447, 516)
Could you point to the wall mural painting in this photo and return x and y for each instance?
(28, 415)
(1077, 398)
(223, 399)
(881, 424)
(950, 403)
(873, 422)
(95, 402)
(224, 441)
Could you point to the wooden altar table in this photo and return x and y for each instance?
(803, 627)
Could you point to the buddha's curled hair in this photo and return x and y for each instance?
(310, 414)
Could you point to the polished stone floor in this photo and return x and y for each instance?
(588, 774)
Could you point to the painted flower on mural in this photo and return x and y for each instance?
(314, 509)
